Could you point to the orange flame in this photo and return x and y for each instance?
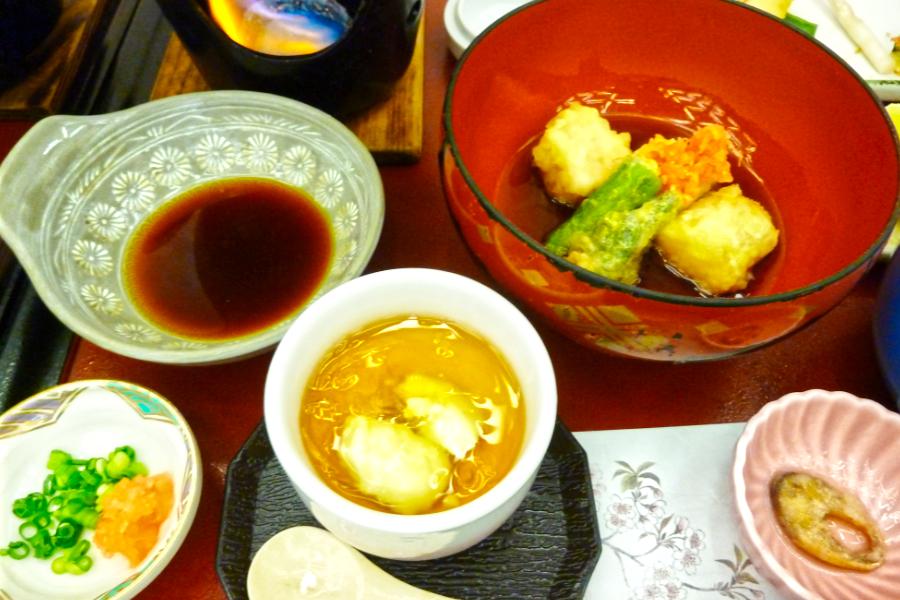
(251, 25)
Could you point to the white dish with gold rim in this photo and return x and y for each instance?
(86, 419)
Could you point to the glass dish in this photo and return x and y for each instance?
(75, 188)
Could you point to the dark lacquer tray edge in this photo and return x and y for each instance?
(256, 452)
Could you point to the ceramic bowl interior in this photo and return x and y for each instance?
(847, 441)
(383, 295)
(694, 62)
(86, 419)
(75, 188)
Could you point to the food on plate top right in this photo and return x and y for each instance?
(675, 194)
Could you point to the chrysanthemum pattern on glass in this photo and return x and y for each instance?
(100, 206)
(299, 164)
(68, 209)
(260, 153)
(92, 258)
(346, 217)
(183, 345)
(101, 299)
(215, 154)
(329, 188)
(133, 191)
(170, 166)
(106, 222)
(347, 250)
(136, 332)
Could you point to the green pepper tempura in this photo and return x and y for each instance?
(616, 223)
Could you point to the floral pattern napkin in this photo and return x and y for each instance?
(667, 522)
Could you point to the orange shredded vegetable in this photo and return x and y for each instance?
(131, 514)
(691, 166)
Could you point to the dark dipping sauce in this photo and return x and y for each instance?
(228, 258)
(521, 197)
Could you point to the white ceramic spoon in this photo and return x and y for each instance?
(308, 562)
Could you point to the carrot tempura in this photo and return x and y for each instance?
(690, 167)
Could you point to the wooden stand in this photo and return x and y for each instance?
(391, 130)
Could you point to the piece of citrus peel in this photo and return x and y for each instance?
(308, 562)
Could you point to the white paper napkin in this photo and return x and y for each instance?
(665, 508)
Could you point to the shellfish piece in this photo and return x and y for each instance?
(810, 510)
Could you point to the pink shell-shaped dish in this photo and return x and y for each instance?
(850, 442)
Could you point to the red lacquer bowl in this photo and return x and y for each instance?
(797, 117)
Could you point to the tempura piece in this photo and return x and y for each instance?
(399, 468)
(634, 182)
(578, 152)
(616, 246)
(717, 240)
(691, 166)
(611, 230)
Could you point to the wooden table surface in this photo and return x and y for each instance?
(223, 404)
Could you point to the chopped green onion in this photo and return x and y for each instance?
(58, 459)
(41, 520)
(20, 509)
(802, 24)
(42, 544)
(28, 530)
(88, 518)
(69, 496)
(118, 463)
(136, 468)
(16, 550)
(67, 533)
(36, 502)
(84, 563)
(59, 565)
(56, 503)
(80, 549)
(49, 485)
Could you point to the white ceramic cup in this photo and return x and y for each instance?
(402, 292)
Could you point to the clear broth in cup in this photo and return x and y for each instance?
(412, 385)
